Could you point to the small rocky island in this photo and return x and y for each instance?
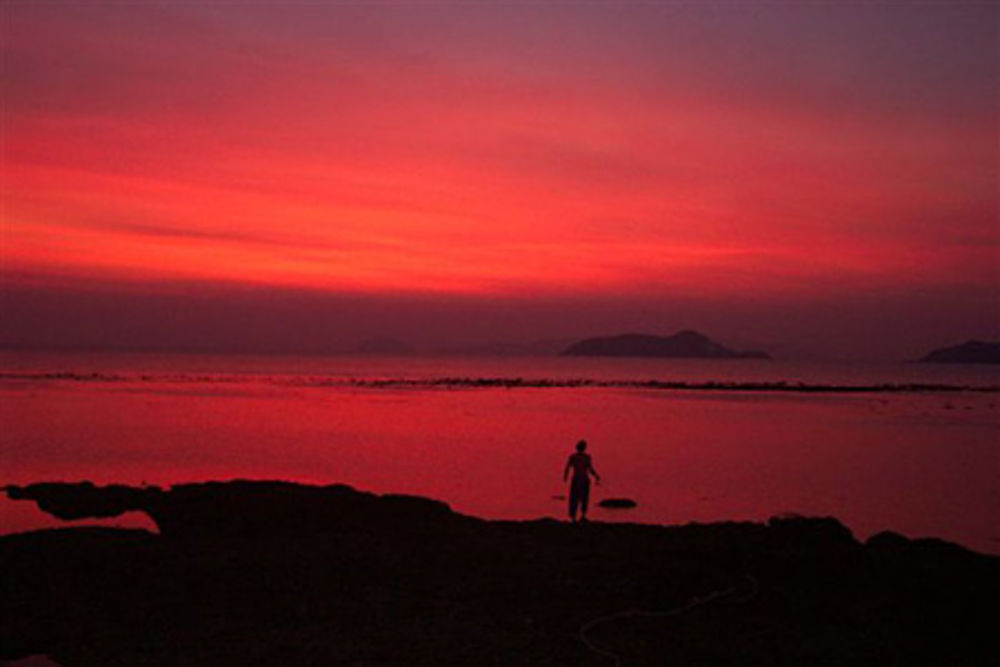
(969, 352)
(684, 344)
(277, 573)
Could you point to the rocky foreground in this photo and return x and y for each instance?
(277, 573)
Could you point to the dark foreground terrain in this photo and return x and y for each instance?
(273, 573)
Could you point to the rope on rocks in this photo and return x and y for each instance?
(693, 603)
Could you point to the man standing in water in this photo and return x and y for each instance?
(579, 488)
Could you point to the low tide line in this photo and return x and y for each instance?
(497, 382)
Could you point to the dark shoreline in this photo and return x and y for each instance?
(279, 573)
(500, 382)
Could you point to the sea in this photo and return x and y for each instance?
(907, 447)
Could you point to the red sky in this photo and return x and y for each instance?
(803, 174)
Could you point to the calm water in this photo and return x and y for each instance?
(923, 463)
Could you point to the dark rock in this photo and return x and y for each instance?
(83, 500)
(686, 344)
(618, 503)
(277, 573)
(887, 540)
(810, 532)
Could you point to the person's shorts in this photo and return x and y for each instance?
(579, 494)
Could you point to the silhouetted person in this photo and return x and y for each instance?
(579, 488)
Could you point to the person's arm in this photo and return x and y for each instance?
(594, 472)
(569, 463)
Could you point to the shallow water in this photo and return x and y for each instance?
(920, 463)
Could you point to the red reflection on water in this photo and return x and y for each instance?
(920, 465)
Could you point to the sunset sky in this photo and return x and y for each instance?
(301, 176)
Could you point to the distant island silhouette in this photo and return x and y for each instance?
(683, 344)
(969, 352)
(246, 572)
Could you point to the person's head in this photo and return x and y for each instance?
(582, 445)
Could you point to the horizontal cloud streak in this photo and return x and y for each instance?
(489, 150)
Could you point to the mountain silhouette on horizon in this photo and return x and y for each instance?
(969, 352)
(683, 344)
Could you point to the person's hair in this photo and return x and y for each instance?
(582, 445)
